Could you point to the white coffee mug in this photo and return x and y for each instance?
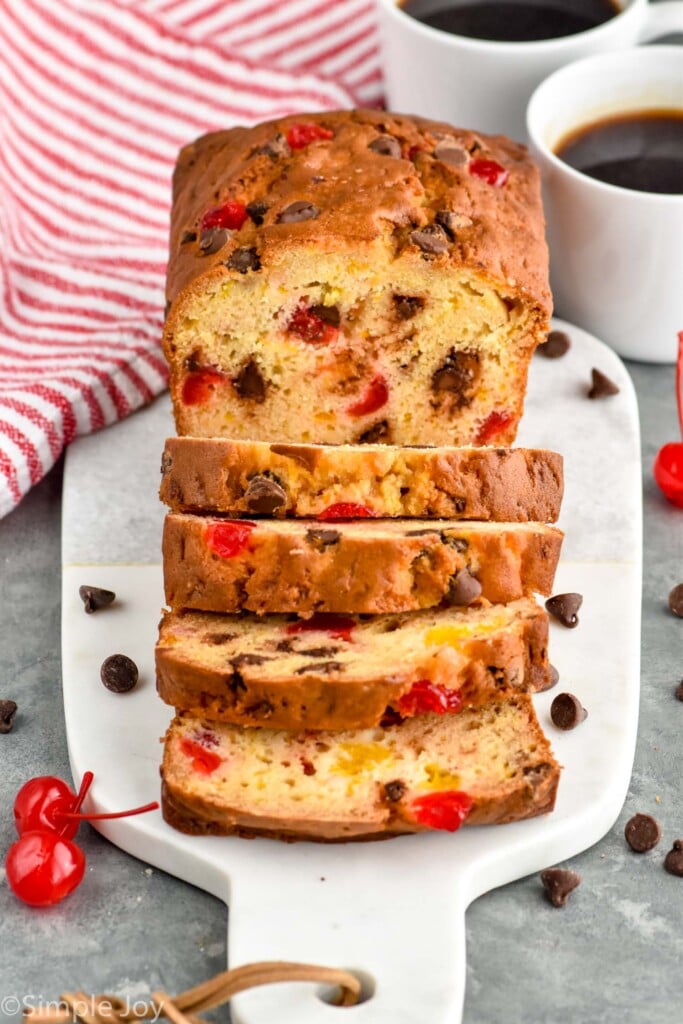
(616, 255)
(485, 85)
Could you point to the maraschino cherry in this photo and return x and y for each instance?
(44, 865)
(668, 466)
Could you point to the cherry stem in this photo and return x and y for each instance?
(86, 783)
(72, 815)
(679, 382)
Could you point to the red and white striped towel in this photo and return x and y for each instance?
(96, 97)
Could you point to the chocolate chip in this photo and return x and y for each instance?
(119, 673)
(464, 589)
(376, 434)
(322, 667)
(319, 652)
(257, 211)
(308, 769)
(449, 152)
(276, 147)
(457, 375)
(394, 790)
(244, 259)
(235, 682)
(328, 314)
(94, 598)
(297, 211)
(453, 222)
(564, 608)
(306, 456)
(602, 386)
(559, 883)
(166, 465)
(406, 306)
(673, 862)
(556, 345)
(432, 239)
(642, 833)
(386, 145)
(264, 496)
(248, 659)
(566, 711)
(421, 533)
(286, 646)
(216, 639)
(676, 600)
(249, 382)
(553, 678)
(8, 710)
(211, 240)
(188, 236)
(679, 690)
(322, 538)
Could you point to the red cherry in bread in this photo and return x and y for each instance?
(230, 215)
(228, 537)
(489, 171)
(424, 697)
(308, 326)
(445, 811)
(346, 510)
(203, 761)
(338, 626)
(668, 465)
(376, 395)
(494, 424)
(302, 134)
(200, 385)
(44, 867)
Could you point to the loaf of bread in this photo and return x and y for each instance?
(258, 478)
(368, 566)
(486, 765)
(346, 672)
(356, 276)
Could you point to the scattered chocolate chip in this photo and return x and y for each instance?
(264, 496)
(306, 456)
(276, 147)
(673, 862)
(322, 667)
(679, 690)
(556, 345)
(566, 711)
(386, 145)
(248, 659)
(249, 382)
(243, 259)
(464, 589)
(559, 883)
(676, 600)
(453, 222)
(188, 236)
(94, 598)
(322, 538)
(449, 152)
(394, 790)
(602, 386)
(564, 608)
(119, 673)
(299, 210)
(642, 833)
(457, 375)
(407, 306)
(211, 240)
(378, 433)
(257, 211)
(432, 239)
(8, 710)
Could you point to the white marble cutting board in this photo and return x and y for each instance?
(393, 911)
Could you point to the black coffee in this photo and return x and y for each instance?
(641, 151)
(511, 21)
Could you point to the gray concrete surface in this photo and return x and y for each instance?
(612, 956)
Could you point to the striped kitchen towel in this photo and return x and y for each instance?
(96, 97)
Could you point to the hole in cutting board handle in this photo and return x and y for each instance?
(330, 994)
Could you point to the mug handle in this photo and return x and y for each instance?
(662, 18)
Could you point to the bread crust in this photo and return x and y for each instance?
(370, 567)
(486, 484)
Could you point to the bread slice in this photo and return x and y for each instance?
(258, 478)
(367, 566)
(345, 672)
(486, 765)
(352, 276)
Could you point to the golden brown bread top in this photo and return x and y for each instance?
(418, 173)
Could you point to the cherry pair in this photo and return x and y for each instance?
(44, 865)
